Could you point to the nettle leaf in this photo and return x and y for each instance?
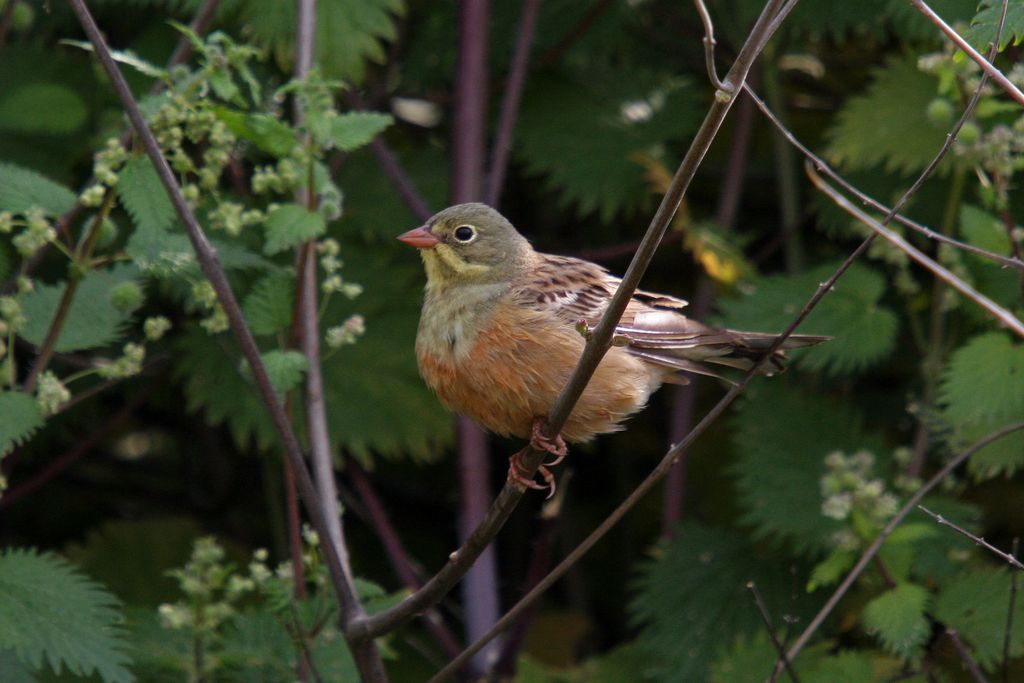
(373, 386)
(751, 660)
(169, 254)
(780, 461)
(268, 306)
(983, 27)
(349, 32)
(285, 369)
(209, 371)
(20, 418)
(144, 197)
(975, 603)
(48, 108)
(692, 599)
(982, 229)
(838, 17)
(897, 617)
(91, 322)
(268, 133)
(22, 189)
(864, 333)
(887, 126)
(289, 225)
(354, 129)
(51, 612)
(590, 151)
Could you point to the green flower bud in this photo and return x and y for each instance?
(127, 296)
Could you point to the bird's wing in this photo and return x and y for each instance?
(652, 326)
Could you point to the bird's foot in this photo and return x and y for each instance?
(555, 446)
(520, 474)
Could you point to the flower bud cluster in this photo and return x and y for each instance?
(849, 488)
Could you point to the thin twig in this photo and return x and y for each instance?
(965, 655)
(986, 64)
(762, 609)
(510, 103)
(897, 519)
(595, 349)
(709, 44)
(1008, 631)
(364, 651)
(1004, 316)
(978, 541)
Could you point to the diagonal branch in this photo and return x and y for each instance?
(998, 312)
(210, 265)
(978, 541)
(876, 545)
(599, 343)
(986, 64)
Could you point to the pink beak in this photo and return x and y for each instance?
(420, 237)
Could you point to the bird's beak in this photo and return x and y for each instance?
(420, 237)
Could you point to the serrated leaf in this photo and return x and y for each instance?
(289, 225)
(897, 618)
(831, 569)
(354, 129)
(21, 189)
(50, 612)
(126, 57)
(780, 461)
(983, 27)
(91, 322)
(47, 108)
(267, 132)
(984, 381)
(20, 417)
(144, 197)
(349, 32)
(169, 254)
(268, 306)
(864, 333)
(692, 600)
(285, 369)
(976, 604)
(982, 229)
(590, 152)
(887, 126)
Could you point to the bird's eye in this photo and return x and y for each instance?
(465, 233)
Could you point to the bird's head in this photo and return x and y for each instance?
(469, 243)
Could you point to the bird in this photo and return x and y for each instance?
(503, 325)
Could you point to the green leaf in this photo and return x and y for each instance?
(50, 612)
(897, 618)
(591, 151)
(168, 254)
(48, 108)
(268, 306)
(354, 129)
(268, 133)
(21, 189)
(692, 599)
(983, 27)
(126, 57)
(831, 569)
(780, 461)
(20, 417)
(975, 603)
(887, 126)
(144, 197)
(289, 225)
(285, 369)
(91, 322)
(349, 32)
(864, 332)
(982, 229)
(984, 381)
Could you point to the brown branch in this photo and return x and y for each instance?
(364, 652)
(876, 545)
(986, 64)
(978, 541)
(599, 342)
(1008, 631)
(510, 103)
(965, 655)
(1004, 316)
(762, 609)
(709, 44)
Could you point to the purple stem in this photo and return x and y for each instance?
(510, 102)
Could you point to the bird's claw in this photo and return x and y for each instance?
(555, 446)
(520, 474)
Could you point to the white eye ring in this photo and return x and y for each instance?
(465, 233)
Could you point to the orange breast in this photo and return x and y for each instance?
(515, 368)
